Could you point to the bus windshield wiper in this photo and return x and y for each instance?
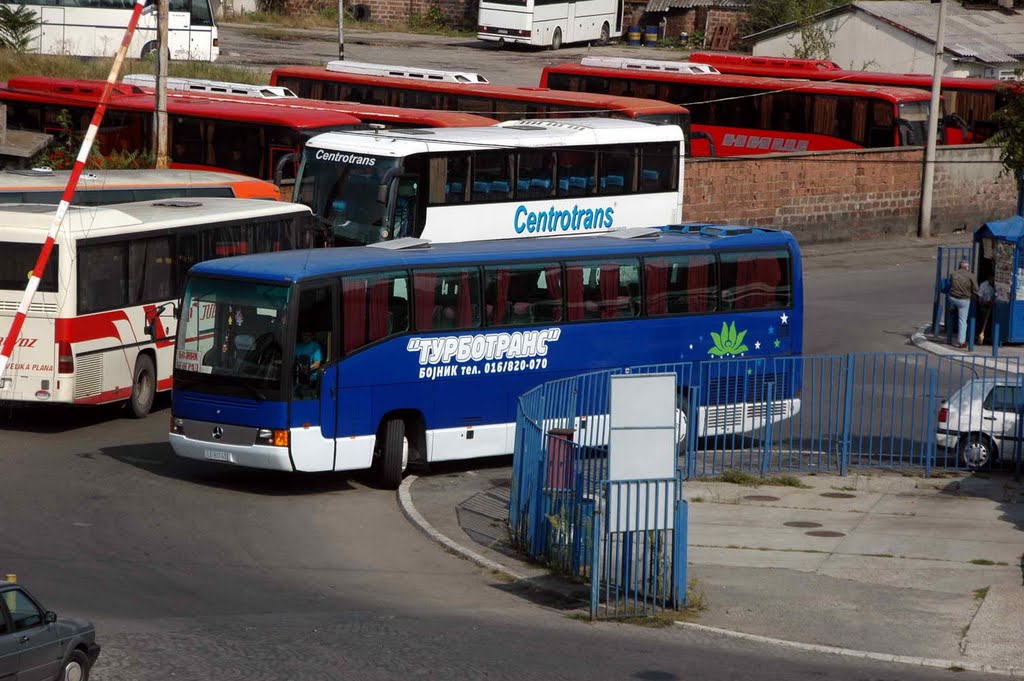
(253, 390)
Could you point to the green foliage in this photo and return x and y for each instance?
(61, 153)
(815, 42)
(433, 18)
(765, 14)
(17, 25)
(1010, 136)
(696, 39)
(728, 342)
(272, 6)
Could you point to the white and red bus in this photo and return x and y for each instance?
(100, 328)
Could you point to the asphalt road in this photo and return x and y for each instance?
(196, 571)
(263, 48)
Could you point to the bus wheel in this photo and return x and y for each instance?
(606, 34)
(143, 387)
(556, 39)
(394, 455)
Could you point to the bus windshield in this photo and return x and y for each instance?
(343, 189)
(914, 123)
(232, 340)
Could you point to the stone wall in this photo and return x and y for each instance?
(835, 196)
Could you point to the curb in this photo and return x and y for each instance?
(410, 512)
(414, 516)
(921, 341)
(966, 665)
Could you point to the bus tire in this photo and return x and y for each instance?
(556, 39)
(394, 454)
(148, 49)
(606, 34)
(143, 387)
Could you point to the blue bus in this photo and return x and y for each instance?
(411, 351)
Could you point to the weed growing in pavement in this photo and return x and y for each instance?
(979, 594)
(956, 668)
(982, 561)
(749, 480)
(696, 500)
(844, 488)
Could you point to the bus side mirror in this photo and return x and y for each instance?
(153, 319)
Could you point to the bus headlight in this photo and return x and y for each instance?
(177, 425)
(272, 436)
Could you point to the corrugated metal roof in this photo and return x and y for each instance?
(990, 36)
(665, 5)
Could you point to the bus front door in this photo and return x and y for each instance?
(314, 379)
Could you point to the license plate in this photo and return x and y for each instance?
(216, 455)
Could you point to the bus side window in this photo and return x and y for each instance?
(755, 281)
(680, 284)
(314, 340)
(522, 294)
(658, 163)
(603, 290)
(616, 168)
(492, 176)
(446, 299)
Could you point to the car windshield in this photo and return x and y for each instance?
(342, 188)
(231, 339)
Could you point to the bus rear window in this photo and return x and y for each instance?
(19, 260)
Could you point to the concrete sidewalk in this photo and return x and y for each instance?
(877, 564)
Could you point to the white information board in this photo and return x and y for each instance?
(642, 446)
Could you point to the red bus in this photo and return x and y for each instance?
(970, 101)
(744, 115)
(244, 135)
(203, 133)
(336, 82)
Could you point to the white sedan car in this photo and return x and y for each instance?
(979, 421)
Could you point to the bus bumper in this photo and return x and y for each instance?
(249, 456)
(506, 39)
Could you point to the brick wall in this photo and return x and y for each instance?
(461, 12)
(830, 196)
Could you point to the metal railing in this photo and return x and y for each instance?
(759, 415)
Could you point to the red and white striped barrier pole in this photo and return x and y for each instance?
(69, 191)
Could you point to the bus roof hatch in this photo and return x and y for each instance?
(403, 244)
(648, 65)
(213, 87)
(435, 75)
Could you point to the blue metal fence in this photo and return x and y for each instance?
(760, 415)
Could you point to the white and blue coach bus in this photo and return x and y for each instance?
(542, 177)
(349, 358)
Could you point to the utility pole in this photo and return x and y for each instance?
(341, 29)
(928, 181)
(163, 55)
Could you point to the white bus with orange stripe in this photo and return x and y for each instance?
(115, 270)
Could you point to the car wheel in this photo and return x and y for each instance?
(556, 39)
(976, 452)
(76, 668)
(394, 454)
(143, 387)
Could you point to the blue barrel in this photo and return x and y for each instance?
(633, 36)
(651, 36)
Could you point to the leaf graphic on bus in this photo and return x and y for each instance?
(728, 342)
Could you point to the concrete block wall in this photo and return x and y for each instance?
(837, 196)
